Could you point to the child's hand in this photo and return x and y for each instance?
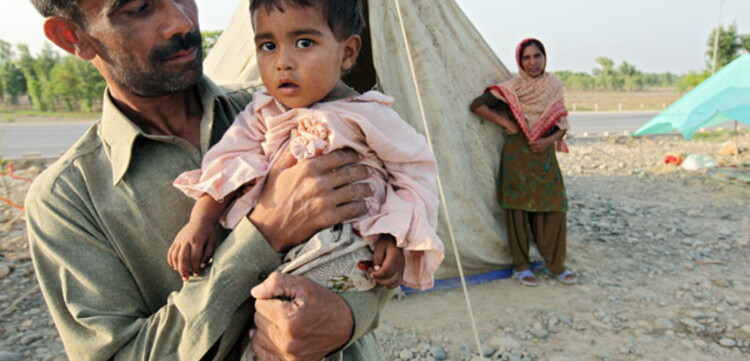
(192, 248)
(388, 261)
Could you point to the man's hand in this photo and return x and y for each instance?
(301, 199)
(389, 263)
(312, 323)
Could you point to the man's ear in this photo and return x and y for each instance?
(352, 45)
(65, 34)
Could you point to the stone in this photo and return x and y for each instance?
(745, 329)
(504, 343)
(700, 343)
(4, 270)
(691, 323)
(687, 344)
(488, 351)
(727, 342)
(10, 356)
(405, 355)
(539, 333)
(29, 338)
(437, 352)
(662, 323)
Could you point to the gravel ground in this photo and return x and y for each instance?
(660, 252)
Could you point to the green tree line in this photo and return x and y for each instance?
(626, 77)
(607, 76)
(54, 82)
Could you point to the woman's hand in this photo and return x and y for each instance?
(511, 128)
(541, 145)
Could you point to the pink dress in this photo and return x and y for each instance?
(405, 202)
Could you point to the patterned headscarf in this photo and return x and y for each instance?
(537, 102)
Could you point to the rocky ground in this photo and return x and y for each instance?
(660, 252)
(661, 255)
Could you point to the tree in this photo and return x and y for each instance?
(729, 45)
(691, 80)
(210, 37)
(606, 77)
(631, 77)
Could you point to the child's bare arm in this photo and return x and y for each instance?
(388, 262)
(485, 112)
(194, 244)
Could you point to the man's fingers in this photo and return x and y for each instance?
(284, 161)
(348, 174)
(335, 159)
(350, 193)
(276, 285)
(263, 347)
(347, 211)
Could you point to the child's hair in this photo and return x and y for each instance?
(344, 17)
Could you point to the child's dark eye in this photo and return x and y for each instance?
(267, 46)
(304, 43)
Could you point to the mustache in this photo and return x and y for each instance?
(177, 43)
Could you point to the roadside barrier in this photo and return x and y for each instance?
(11, 174)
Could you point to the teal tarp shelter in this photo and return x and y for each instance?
(722, 97)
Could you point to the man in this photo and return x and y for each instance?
(101, 219)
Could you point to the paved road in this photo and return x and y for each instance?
(39, 139)
(612, 122)
(52, 139)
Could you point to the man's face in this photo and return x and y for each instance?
(150, 47)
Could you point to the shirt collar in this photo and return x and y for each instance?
(118, 133)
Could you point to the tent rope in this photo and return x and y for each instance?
(440, 185)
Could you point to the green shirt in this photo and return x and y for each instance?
(100, 222)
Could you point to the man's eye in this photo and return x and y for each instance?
(268, 46)
(304, 43)
(141, 9)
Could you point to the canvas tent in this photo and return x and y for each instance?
(722, 97)
(453, 65)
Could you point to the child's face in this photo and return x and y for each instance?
(299, 58)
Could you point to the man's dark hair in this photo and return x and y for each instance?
(65, 8)
(344, 17)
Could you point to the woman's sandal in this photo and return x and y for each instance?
(566, 277)
(527, 278)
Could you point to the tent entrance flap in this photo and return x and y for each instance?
(363, 76)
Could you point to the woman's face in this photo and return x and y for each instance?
(532, 60)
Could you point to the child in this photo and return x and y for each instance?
(302, 48)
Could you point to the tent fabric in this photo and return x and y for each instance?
(453, 64)
(720, 98)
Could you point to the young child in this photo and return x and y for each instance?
(302, 49)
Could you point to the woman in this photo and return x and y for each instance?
(531, 109)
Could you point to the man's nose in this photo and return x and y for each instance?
(179, 18)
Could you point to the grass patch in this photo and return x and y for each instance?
(650, 99)
(35, 116)
(719, 136)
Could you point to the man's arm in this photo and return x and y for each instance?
(102, 313)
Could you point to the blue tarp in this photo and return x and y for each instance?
(722, 97)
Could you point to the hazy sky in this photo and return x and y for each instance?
(654, 35)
